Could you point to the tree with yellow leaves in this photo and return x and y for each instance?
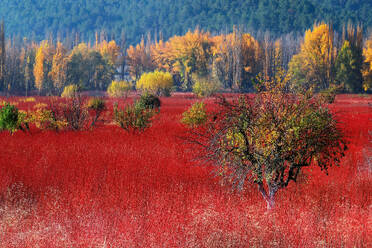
(43, 63)
(185, 55)
(367, 71)
(139, 60)
(110, 51)
(58, 72)
(313, 65)
(236, 59)
(156, 83)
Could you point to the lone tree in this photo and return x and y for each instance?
(268, 138)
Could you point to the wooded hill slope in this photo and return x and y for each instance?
(36, 19)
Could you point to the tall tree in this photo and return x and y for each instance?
(367, 70)
(313, 65)
(58, 71)
(349, 61)
(43, 64)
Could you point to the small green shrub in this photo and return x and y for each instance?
(134, 117)
(150, 101)
(119, 89)
(11, 119)
(97, 106)
(70, 90)
(195, 116)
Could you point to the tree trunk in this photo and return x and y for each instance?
(270, 196)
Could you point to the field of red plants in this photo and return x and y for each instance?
(109, 188)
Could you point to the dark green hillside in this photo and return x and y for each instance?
(38, 18)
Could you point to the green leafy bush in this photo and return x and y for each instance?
(119, 89)
(195, 116)
(70, 90)
(97, 106)
(11, 119)
(134, 117)
(150, 101)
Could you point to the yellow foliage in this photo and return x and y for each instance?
(314, 62)
(195, 116)
(58, 72)
(119, 89)
(42, 59)
(69, 90)
(44, 118)
(139, 60)
(110, 51)
(29, 99)
(184, 55)
(156, 83)
(367, 71)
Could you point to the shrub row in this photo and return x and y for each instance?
(79, 113)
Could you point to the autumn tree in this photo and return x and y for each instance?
(367, 70)
(110, 51)
(156, 83)
(139, 59)
(58, 71)
(43, 64)
(269, 139)
(236, 59)
(349, 61)
(185, 55)
(88, 69)
(313, 65)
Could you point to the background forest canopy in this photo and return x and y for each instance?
(224, 58)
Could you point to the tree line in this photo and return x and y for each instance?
(234, 62)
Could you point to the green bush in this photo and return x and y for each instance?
(11, 119)
(150, 101)
(195, 116)
(70, 90)
(134, 117)
(119, 89)
(97, 106)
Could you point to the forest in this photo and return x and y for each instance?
(197, 61)
(37, 20)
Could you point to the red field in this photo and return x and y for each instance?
(108, 188)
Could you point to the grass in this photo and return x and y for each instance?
(110, 188)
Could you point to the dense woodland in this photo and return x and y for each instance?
(38, 19)
(232, 62)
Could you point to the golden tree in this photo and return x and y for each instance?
(236, 59)
(313, 65)
(58, 72)
(139, 60)
(367, 71)
(184, 55)
(109, 51)
(43, 62)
